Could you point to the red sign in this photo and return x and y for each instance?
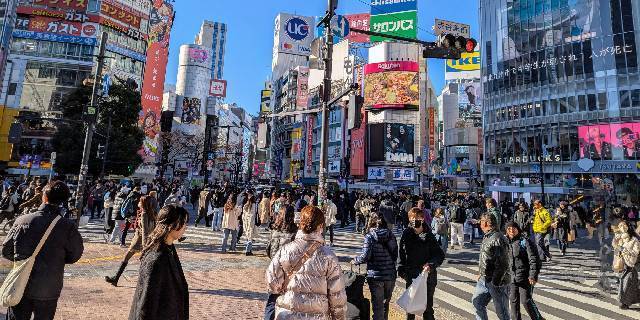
(358, 155)
(358, 21)
(218, 88)
(121, 14)
(69, 15)
(58, 26)
(80, 5)
(432, 128)
(308, 160)
(160, 24)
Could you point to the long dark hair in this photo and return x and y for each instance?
(285, 220)
(170, 217)
(149, 205)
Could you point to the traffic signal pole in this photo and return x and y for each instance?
(91, 126)
(326, 96)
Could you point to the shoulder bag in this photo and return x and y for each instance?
(305, 257)
(14, 285)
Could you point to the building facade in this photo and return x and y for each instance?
(561, 98)
(214, 36)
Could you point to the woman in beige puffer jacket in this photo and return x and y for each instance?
(316, 291)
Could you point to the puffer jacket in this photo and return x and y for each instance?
(380, 253)
(525, 261)
(316, 291)
(278, 240)
(117, 205)
(541, 220)
(494, 262)
(417, 250)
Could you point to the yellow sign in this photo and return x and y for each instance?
(467, 62)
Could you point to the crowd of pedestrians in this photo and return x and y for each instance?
(304, 278)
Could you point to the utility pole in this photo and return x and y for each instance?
(541, 159)
(106, 149)
(326, 96)
(91, 115)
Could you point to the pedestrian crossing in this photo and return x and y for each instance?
(565, 290)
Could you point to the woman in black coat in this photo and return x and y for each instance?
(162, 291)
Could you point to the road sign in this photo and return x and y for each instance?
(340, 26)
(453, 28)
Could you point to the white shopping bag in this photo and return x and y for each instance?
(414, 299)
(84, 220)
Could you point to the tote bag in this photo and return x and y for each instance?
(14, 285)
(414, 299)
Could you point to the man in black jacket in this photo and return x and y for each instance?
(494, 271)
(525, 268)
(64, 246)
(420, 251)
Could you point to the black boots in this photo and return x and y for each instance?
(114, 280)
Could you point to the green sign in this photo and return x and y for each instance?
(403, 24)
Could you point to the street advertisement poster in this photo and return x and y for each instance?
(160, 23)
(392, 84)
(403, 24)
(218, 88)
(198, 56)
(470, 104)
(309, 172)
(619, 141)
(398, 142)
(191, 110)
(358, 151)
(79, 5)
(265, 101)
(465, 68)
(296, 142)
(121, 13)
(294, 34)
(358, 21)
(302, 97)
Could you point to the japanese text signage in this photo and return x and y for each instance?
(120, 13)
(302, 96)
(58, 26)
(160, 23)
(53, 37)
(394, 17)
(453, 28)
(80, 5)
(358, 21)
(309, 172)
(218, 88)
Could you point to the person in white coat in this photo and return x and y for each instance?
(249, 216)
(230, 223)
(330, 212)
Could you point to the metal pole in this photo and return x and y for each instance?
(326, 96)
(541, 160)
(106, 150)
(91, 125)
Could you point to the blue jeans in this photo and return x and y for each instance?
(270, 308)
(234, 239)
(216, 219)
(381, 293)
(485, 292)
(249, 246)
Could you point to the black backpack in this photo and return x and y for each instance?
(5, 202)
(460, 216)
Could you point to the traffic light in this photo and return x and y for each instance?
(449, 46)
(101, 152)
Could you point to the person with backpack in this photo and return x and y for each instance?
(8, 204)
(440, 228)
(380, 252)
(458, 218)
(117, 217)
(62, 246)
(541, 229)
(419, 251)
(525, 268)
(307, 275)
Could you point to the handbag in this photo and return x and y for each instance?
(414, 299)
(618, 264)
(16, 282)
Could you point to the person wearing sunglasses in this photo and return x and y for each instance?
(420, 251)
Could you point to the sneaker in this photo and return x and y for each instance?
(624, 307)
(248, 253)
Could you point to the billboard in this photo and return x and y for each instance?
(403, 24)
(57, 26)
(398, 142)
(160, 23)
(78, 5)
(296, 142)
(302, 96)
(294, 34)
(392, 6)
(470, 104)
(265, 101)
(191, 110)
(467, 67)
(392, 84)
(619, 141)
(358, 21)
(218, 88)
(309, 171)
(357, 161)
(120, 12)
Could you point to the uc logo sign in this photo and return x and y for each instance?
(297, 29)
(467, 62)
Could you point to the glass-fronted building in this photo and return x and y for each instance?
(561, 96)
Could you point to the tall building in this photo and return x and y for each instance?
(561, 98)
(214, 35)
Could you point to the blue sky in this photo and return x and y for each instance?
(250, 35)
